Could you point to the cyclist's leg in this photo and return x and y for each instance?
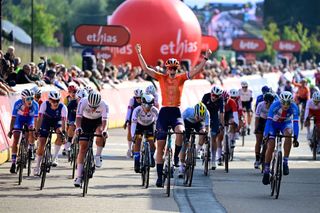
(232, 132)
(270, 148)
(214, 126)
(83, 146)
(150, 138)
(129, 139)
(70, 134)
(218, 141)
(287, 131)
(178, 125)
(259, 136)
(57, 145)
(96, 125)
(136, 147)
(40, 150)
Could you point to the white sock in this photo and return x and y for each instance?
(79, 170)
(56, 151)
(38, 160)
(67, 145)
(130, 145)
(213, 156)
(99, 150)
(219, 152)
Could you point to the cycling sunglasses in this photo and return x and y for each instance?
(29, 99)
(173, 68)
(55, 101)
(286, 103)
(214, 95)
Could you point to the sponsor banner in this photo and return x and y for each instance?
(103, 54)
(287, 46)
(97, 35)
(248, 45)
(209, 42)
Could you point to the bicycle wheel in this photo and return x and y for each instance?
(44, 167)
(278, 174)
(207, 159)
(20, 164)
(272, 178)
(29, 161)
(243, 134)
(147, 165)
(75, 150)
(86, 167)
(143, 167)
(169, 171)
(193, 163)
(187, 167)
(262, 156)
(314, 144)
(226, 154)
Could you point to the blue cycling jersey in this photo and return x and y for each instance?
(278, 118)
(188, 115)
(24, 114)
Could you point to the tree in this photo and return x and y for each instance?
(270, 35)
(315, 43)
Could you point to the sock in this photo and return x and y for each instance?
(38, 160)
(14, 157)
(136, 156)
(129, 145)
(213, 154)
(257, 157)
(79, 170)
(285, 160)
(56, 151)
(267, 168)
(159, 170)
(99, 150)
(177, 151)
(219, 152)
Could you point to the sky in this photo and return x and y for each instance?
(200, 3)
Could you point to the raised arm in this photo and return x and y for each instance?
(199, 68)
(143, 63)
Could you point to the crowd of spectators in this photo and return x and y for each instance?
(46, 72)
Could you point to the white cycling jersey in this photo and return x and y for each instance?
(143, 118)
(262, 111)
(84, 110)
(245, 96)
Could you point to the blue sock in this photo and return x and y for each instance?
(14, 158)
(136, 156)
(159, 170)
(266, 168)
(285, 160)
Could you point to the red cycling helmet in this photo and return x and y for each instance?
(172, 62)
(225, 95)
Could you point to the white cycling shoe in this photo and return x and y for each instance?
(77, 182)
(98, 161)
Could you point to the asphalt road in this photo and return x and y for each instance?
(116, 188)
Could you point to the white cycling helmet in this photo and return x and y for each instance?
(286, 96)
(147, 99)
(151, 90)
(234, 93)
(26, 93)
(54, 95)
(138, 92)
(94, 99)
(244, 84)
(81, 93)
(316, 96)
(216, 90)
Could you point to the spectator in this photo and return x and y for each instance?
(10, 54)
(24, 76)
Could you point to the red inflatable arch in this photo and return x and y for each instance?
(165, 29)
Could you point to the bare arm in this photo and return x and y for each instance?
(199, 68)
(143, 63)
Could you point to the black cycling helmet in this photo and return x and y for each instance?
(268, 97)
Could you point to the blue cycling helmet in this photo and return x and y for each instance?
(265, 89)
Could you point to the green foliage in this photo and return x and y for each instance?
(302, 37)
(270, 35)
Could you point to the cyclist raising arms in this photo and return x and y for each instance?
(280, 117)
(196, 118)
(133, 103)
(152, 90)
(171, 85)
(143, 119)
(246, 97)
(260, 123)
(52, 113)
(214, 104)
(25, 110)
(92, 117)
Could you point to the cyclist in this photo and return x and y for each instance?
(143, 119)
(234, 94)
(133, 103)
(92, 117)
(72, 110)
(72, 89)
(196, 118)
(152, 90)
(260, 123)
(246, 97)
(52, 113)
(214, 104)
(37, 95)
(259, 99)
(171, 85)
(25, 110)
(281, 115)
(313, 110)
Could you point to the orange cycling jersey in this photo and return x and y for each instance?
(303, 91)
(171, 88)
